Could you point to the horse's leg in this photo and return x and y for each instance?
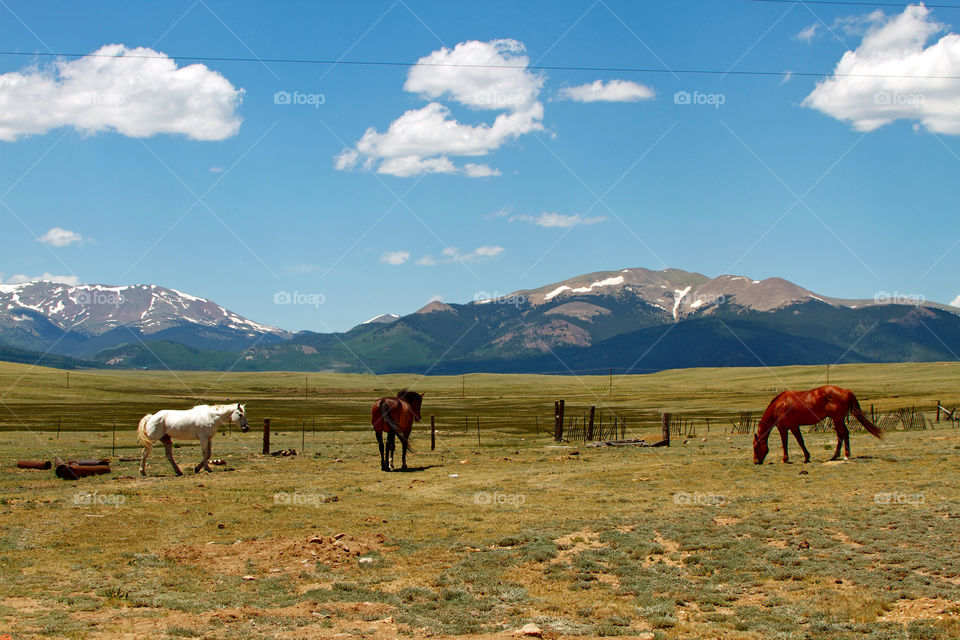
(843, 436)
(207, 453)
(204, 445)
(403, 443)
(383, 459)
(391, 445)
(143, 460)
(799, 437)
(783, 440)
(168, 446)
(838, 427)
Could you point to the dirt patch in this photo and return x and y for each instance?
(670, 548)
(921, 609)
(842, 537)
(577, 542)
(290, 556)
(316, 620)
(725, 521)
(24, 605)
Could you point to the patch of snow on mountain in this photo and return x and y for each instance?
(556, 292)
(383, 315)
(680, 294)
(602, 283)
(187, 296)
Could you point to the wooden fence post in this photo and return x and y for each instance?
(266, 436)
(590, 424)
(433, 433)
(556, 420)
(665, 428)
(560, 410)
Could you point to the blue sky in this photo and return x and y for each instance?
(379, 187)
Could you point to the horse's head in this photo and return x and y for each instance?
(414, 400)
(760, 449)
(239, 416)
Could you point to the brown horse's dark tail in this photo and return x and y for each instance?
(387, 420)
(862, 419)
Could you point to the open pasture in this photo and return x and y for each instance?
(693, 541)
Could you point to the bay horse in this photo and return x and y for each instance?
(791, 409)
(395, 417)
(199, 423)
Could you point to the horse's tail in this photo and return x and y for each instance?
(142, 431)
(861, 418)
(385, 416)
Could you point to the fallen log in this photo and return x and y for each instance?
(33, 464)
(91, 463)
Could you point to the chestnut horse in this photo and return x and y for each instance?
(395, 417)
(791, 409)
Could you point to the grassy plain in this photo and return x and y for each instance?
(693, 541)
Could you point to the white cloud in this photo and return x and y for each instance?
(480, 75)
(454, 254)
(809, 33)
(894, 48)
(395, 257)
(57, 237)
(136, 92)
(49, 277)
(216, 169)
(956, 302)
(612, 91)
(547, 219)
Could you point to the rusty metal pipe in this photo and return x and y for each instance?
(34, 464)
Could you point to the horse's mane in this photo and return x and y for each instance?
(405, 394)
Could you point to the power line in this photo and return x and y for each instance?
(896, 5)
(393, 63)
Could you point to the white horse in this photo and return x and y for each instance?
(199, 423)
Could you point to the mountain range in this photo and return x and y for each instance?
(634, 320)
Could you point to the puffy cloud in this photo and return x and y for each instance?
(612, 91)
(480, 75)
(454, 254)
(895, 48)
(49, 277)
(956, 302)
(136, 92)
(395, 257)
(547, 219)
(57, 237)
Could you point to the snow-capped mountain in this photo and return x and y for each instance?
(681, 293)
(629, 320)
(94, 309)
(77, 320)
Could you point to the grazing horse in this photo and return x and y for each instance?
(395, 417)
(791, 409)
(199, 423)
